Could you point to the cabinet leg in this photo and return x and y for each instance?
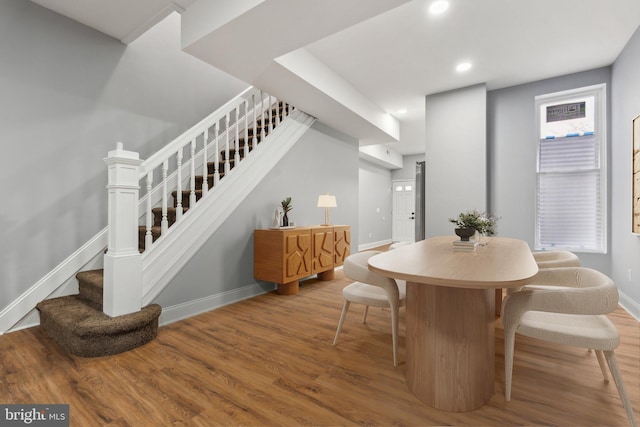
(290, 288)
(327, 275)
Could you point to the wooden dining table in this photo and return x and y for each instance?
(450, 316)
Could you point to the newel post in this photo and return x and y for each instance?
(122, 262)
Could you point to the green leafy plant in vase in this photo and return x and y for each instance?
(469, 222)
(286, 207)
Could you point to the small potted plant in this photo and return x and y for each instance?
(286, 207)
(470, 222)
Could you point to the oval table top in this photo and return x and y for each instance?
(501, 263)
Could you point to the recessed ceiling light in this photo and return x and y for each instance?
(438, 7)
(402, 111)
(463, 66)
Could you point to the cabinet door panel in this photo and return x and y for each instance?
(322, 256)
(342, 245)
(297, 256)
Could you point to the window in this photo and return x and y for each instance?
(571, 170)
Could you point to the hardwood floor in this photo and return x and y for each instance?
(268, 361)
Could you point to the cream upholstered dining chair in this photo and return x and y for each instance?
(555, 259)
(550, 259)
(566, 305)
(371, 289)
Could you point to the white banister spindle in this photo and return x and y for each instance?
(179, 184)
(227, 166)
(164, 224)
(192, 181)
(205, 166)
(246, 128)
(148, 236)
(277, 112)
(270, 115)
(216, 155)
(236, 157)
(255, 123)
(122, 282)
(263, 123)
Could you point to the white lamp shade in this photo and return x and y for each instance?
(327, 201)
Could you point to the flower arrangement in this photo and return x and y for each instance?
(482, 222)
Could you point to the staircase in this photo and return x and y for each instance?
(182, 203)
(77, 322)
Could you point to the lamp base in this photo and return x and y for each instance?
(326, 216)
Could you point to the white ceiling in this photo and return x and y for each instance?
(124, 20)
(396, 58)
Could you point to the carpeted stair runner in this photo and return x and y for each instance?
(77, 322)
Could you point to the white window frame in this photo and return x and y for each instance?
(600, 138)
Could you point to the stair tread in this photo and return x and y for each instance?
(85, 319)
(170, 209)
(91, 277)
(154, 228)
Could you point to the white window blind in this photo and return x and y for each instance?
(571, 175)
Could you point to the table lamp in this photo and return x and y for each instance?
(326, 201)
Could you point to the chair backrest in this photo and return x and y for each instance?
(356, 267)
(555, 259)
(571, 290)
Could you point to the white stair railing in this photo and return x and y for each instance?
(218, 135)
(221, 132)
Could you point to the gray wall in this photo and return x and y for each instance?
(375, 205)
(456, 151)
(225, 262)
(69, 93)
(408, 170)
(512, 154)
(625, 247)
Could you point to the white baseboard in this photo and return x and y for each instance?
(19, 314)
(185, 310)
(211, 302)
(630, 306)
(371, 245)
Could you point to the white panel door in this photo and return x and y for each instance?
(404, 202)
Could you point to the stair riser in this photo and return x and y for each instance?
(142, 232)
(186, 195)
(90, 285)
(171, 215)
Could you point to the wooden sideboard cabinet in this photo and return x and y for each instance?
(284, 256)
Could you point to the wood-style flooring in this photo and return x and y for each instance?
(268, 361)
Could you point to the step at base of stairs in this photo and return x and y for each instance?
(81, 327)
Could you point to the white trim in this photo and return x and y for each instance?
(189, 309)
(66, 270)
(599, 92)
(629, 305)
(165, 262)
(202, 305)
(371, 245)
(175, 248)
